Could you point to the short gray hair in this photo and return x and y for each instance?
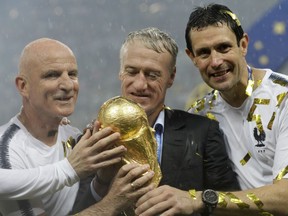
(154, 39)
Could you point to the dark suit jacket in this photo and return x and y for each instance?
(194, 154)
(194, 157)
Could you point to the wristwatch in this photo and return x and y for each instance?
(210, 199)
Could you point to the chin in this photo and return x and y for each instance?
(66, 113)
(219, 86)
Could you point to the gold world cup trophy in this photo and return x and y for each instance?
(130, 120)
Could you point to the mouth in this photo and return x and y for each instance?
(220, 73)
(139, 98)
(137, 95)
(64, 98)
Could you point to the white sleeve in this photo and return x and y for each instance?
(36, 182)
(281, 138)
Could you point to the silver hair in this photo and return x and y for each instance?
(154, 39)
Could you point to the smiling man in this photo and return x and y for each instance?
(48, 84)
(251, 107)
(187, 144)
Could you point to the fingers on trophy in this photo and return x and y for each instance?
(130, 120)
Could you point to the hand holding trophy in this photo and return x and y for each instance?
(130, 120)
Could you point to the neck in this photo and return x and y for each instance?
(237, 95)
(45, 131)
(151, 120)
(153, 116)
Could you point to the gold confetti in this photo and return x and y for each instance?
(221, 200)
(280, 98)
(261, 101)
(257, 118)
(258, 203)
(255, 199)
(214, 97)
(251, 112)
(270, 124)
(245, 159)
(282, 173)
(192, 193)
(233, 16)
(67, 146)
(249, 87)
(211, 116)
(198, 105)
(258, 82)
(237, 201)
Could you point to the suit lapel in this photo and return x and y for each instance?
(173, 137)
(172, 124)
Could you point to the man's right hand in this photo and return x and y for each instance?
(95, 150)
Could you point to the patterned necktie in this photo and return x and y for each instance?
(158, 134)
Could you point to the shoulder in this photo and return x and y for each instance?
(276, 78)
(12, 131)
(188, 118)
(203, 105)
(11, 124)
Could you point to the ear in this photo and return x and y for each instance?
(190, 55)
(172, 77)
(243, 44)
(22, 85)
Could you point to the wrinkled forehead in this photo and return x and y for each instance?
(39, 52)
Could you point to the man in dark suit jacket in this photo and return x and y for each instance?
(191, 149)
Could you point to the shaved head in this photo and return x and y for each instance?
(38, 50)
(47, 80)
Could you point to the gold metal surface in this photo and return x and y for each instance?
(130, 120)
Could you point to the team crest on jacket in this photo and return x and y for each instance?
(259, 137)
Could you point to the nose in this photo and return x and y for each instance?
(216, 58)
(66, 83)
(140, 82)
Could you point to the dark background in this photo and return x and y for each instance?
(95, 29)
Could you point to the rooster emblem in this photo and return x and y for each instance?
(260, 137)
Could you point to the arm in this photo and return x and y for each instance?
(88, 155)
(266, 200)
(27, 183)
(273, 197)
(174, 201)
(122, 195)
(94, 188)
(270, 199)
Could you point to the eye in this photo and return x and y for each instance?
(203, 53)
(51, 74)
(153, 75)
(73, 74)
(223, 48)
(130, 71)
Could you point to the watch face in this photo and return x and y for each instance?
(210, 196)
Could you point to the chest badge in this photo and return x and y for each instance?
(259, 137)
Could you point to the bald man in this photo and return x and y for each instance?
(48, 84)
